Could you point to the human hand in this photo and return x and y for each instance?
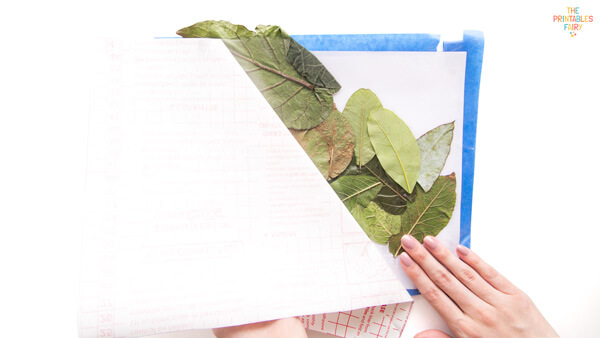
(472, 297)
(281, 328)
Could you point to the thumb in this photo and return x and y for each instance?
(432, 334)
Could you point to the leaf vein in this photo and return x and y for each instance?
(274, 71)
(289, 98)
(273, 86)
(389, 186)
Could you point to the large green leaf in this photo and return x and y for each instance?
(357, 110)
(376, 223)
(356, 189)
(434, 147)
(330, 145)
(300, 93)
(429, 213)
(395, 146)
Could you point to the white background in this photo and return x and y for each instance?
(536, 191)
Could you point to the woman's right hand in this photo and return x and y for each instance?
(472, 297)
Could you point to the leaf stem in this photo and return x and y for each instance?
(387, 185)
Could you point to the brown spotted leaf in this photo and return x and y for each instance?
(330, 145)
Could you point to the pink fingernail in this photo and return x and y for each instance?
(405, 259)
(430, 243)
(408, 242)
(463, 251)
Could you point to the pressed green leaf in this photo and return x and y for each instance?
(395, 244)
(392, 197)
(300, 103)
(376, 223)
(310, 67)
(357, 110)
(429, 213)
(363, 217)
(391, 201)
(330, 145)
(434, 147)
(215, 29)
(356, 189)
(395, 147)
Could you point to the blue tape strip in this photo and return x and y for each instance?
(370, 42)
(472, 44)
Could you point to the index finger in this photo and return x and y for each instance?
(487, 272)
(442, 304)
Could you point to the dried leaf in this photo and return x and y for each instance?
(310, 68)
(434, 147)
(392, 197)
(376, 223)
(357, 110)
(428, 214)
(298, 134)
(352, 169)
(300, 103)
(395, 147)
(330, 145)
(216, 29)
(356, 189)
(360, 215)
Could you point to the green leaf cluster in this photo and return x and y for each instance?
(389, 180)
(410, 196)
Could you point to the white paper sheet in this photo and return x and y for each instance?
(202, 210)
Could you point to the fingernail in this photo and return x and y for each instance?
(430, 243)
(405, 259)
(408, 242)
(462, 250)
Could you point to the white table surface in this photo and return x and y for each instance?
(536, 186)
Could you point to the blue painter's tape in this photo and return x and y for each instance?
(370, 42)
(413, 292)
(472, 44)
